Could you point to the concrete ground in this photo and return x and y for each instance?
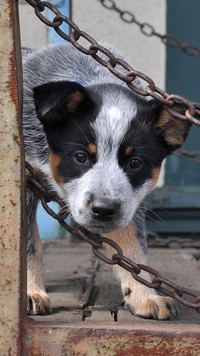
(82, 288)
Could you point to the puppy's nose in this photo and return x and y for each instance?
(104, 210)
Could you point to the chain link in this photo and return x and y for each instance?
(194, 155)
(127, 74)
(155, 240)
(98, 242)
(149, 31)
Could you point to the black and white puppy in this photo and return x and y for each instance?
(100, 147)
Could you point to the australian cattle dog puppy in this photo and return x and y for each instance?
(100, 148)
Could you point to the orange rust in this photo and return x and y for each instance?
(13, 202)
(54, 161)
(74, 100)
(92, 148)
(15, 80)
(101, 339)
(16, 139)
(15, 70)
(12, 83)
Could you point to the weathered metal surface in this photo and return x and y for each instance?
(100, 339)
(10, 184)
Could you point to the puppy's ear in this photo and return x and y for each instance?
(55, 101)
(174, 131)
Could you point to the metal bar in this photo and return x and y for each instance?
(12, 183)
(114, 340)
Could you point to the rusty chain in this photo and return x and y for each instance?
(149, 31)
(97, 242)
(154, 240)
(118, 67)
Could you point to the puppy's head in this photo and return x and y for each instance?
(106, 148)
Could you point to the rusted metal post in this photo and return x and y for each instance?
(11, 183)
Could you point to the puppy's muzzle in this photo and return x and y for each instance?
(104, 210)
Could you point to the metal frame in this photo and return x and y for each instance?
(19, 334)
(12, 225)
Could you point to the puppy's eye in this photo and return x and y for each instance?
(81, 157)
(135, 163)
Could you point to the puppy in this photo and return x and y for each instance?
(100, 148)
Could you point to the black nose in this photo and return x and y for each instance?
(104, 210)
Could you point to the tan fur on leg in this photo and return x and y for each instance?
(37, 300)
(139, 299)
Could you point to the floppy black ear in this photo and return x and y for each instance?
(55, 101)
(174, 131)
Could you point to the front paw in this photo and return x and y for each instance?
(152, 307)
(38, 304)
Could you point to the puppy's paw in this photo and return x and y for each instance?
(38, 304)
(154, 307)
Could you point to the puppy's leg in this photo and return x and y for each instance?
(139, 299)
(37, 300)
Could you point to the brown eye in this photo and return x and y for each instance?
(81, 157)
(135, 163)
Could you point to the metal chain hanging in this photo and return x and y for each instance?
(149, 31)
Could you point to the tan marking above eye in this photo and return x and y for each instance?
(54, 161)
(128, 151)
(92, 148)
